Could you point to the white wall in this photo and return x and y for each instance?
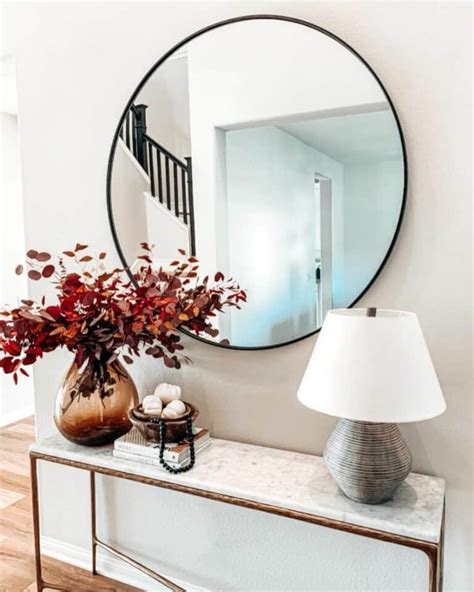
(16, 401)
(165, 230)
(167, 97)
(291, 71)
(77, 64)
(372, 204)
(129, 183)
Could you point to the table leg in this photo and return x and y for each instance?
(435, 558)
(36, 523)
(93, 524)
(435, 554)
(433, 570)
(41, 584)
(441, 553)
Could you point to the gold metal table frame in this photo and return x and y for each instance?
(434, 551)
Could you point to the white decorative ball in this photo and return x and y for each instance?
(174, 409)
(152, 409)
(150, 399)
(168, 392)
(152, 405)
(177, 406)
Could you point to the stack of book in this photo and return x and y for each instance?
(133, 446)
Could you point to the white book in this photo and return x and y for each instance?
(154, 461)
(133, 442)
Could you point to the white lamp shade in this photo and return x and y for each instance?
(372, 369)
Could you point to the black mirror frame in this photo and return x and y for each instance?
(152, 70)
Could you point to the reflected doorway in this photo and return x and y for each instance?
(323, 246)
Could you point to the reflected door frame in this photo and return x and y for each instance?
(325, 222)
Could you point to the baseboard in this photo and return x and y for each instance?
(8, 418)
(107, 566)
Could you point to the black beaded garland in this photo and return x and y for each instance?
(190, 439)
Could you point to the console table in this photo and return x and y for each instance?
(288, 484)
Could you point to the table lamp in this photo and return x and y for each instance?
(372, 369)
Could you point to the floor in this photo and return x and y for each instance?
(16, 538)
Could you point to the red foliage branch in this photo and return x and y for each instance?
(101, 314)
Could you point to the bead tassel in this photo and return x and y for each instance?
(165, 465)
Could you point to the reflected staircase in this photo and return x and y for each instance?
(171, 179)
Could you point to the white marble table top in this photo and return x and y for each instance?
(284, 479)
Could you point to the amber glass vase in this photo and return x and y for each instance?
(92, 405)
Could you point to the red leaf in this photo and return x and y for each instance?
(34, 275)
(48, 271)
(80, 247)
(102, 255)
(69, 253)
(86, 258)
(9, 365)
(169, 362)
(182, 251)
(43, 256)
(45, 315)
(25, 314)
(28, 360)
(12, 348)
(54, 311)
(127, 359)
(31, 254)
(19, 269)
(174, 284)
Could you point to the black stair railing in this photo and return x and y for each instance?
(171, 180)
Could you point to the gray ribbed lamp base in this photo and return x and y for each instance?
(368, 461)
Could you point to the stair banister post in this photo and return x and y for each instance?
(140, 131)
(192, 227)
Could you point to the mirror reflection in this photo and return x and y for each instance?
(268, 150)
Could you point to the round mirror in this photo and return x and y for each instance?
(269, 149)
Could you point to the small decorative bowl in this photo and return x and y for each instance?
(175, 429)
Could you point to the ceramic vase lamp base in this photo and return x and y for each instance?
(368, 460)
